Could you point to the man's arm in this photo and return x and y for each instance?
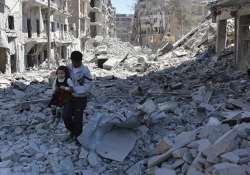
(86, 86)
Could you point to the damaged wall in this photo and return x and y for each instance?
(124, 27)
(156, 22)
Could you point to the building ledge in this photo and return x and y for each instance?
(96, 9)
(11, 34)
(96, 24)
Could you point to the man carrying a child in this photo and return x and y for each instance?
(79, 85)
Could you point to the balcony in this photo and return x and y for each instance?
(96, 24)
(96, 9)
(11, 34)
(42, 3)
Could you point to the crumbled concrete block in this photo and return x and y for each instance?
(149, 107)
(117, 144)
(224, 144)
(164, 171)
(177, 163)
(179, 153)
(193, 171)
(200, 144)
(168, 106)
(228, 169)
(83, 154)
(188, 157)
(93, 159)
(8, 155)
(230, 157)
(163, 146)
(184, 139)
(135, 169)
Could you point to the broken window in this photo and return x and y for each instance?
(65, 27)
(92, 16)
(52, 27)
(29, 27)
(38, 27)
(92, 3)
(93, 31)
(13, 62)
(11, 22)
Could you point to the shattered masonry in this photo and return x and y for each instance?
(158, 21)
(24, 30)
(184, 110)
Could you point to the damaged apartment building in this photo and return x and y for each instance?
(34, 31)
(124, 24)
(10, 33)
(159, 21)
(102, 18)
(239, 11)
(24, 30)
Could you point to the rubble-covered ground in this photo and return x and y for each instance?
(186, 112)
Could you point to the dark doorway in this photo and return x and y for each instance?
(38, 31)
(29, 27)
(92, 3)
(13, 63)
(11, 22)
(93, 31)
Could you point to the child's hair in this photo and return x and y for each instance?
(65, 69)
(76, 56)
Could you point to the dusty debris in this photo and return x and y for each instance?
(116, 144)
(177, 114)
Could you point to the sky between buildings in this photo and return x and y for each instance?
(124, 6)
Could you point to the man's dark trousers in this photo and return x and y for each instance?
(73, 115)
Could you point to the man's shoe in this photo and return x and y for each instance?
(77, 143)
(69, 138)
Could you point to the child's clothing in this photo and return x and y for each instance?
(61, 95)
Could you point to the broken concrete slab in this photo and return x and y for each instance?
(93, 159)
(136, 169)
(238, 103)
(184, 139)
(200, 144)
(165, 49)
(163, 146)
(168, 106)
(148, 107)
(230, 157)
(224, 144)
(113, 62)
(117, 144)
(228, 169)
(164, 171)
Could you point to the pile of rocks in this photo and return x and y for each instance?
(214, 149)
(174, 114)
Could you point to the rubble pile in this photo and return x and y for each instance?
(214, 149)
(175, 114)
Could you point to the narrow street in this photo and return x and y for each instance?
(156, 107)
(147, 111)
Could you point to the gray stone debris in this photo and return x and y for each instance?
(185, 112)
(117, 144)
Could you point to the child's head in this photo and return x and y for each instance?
(76, 59)
(62, 72)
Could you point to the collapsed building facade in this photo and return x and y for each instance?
(102, 18)
(34, 31)
(124, 25)
(165, 20)
(239, 11)
(10, 28)
(24, 31)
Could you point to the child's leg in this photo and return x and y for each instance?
(58, 116)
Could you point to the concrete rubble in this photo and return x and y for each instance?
(176, 114)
